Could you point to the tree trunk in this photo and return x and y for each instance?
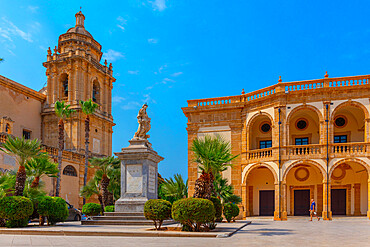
(60, 152)
(203, 186)
(100, 198)
(104, 185)
(20, 181)
(87, 132)
(35, 182)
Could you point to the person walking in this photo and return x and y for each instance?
(313, 210)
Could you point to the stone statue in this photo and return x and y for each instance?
(144, 124)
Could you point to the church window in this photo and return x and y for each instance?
(70, 171)
(7, 128)
(27, 134)
(95, 93)
(64, 86)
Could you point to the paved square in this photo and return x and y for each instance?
(297, 232)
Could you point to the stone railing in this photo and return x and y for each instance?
(299, 150)
(354, 148)
(286, 87)
(259, 154)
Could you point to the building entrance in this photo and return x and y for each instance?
(301, 202)
(338, 201)
(267, 202)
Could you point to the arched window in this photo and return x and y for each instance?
(70, 171)
(7, 128)
(64, 85)
(96, 92)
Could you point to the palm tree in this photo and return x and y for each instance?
(222, 188)
(176, 189)
(88, 107)
(39, 167)
(7, 183)
(213, 155)
(92, 188)
(63, 112)
(23, 150)
(105, 167)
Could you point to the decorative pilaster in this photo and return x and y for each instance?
(326, 213)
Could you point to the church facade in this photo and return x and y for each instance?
(296, 141)
(74, 73)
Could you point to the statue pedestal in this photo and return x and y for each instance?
(139, 176)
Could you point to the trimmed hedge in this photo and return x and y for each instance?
(193, 212)
(16, 210)
(231, 211)
(109, 208)
(91, 209)
(54, 208)
(218, 207)
(157, 210)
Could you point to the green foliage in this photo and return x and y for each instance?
(230, 211)
(23, 149)
(39, 167)
(193, 212)
(54, 208)
(222, 188)
(235, 199)
(105, 165)
(62, 110)
(218, 207)
(91, 209)
(109, 208)
(16, 210)
(212, 154)
(91, 188)
(7, 183)
(157, 210)
(88, 107)
(174, 189)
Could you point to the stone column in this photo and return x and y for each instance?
(368, 197)
(244, 200)
(139, 176)
(326, 215)
(279, 204)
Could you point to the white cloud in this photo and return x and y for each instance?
(152, 41)
(9, 30)
(159, 5)
(131, 105)
(166, 80)
(33, 9)
(112, 55)
(133, 72)
(117, 99)
(176, 74)
(122, 23)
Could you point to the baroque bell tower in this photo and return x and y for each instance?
(74, 73)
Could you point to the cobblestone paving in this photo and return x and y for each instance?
(298, 232)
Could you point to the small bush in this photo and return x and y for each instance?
(54, 208)
(193, 212)
(109, 208)
(91, 209)
(218, 209)
(157, 210)
(16, 210)
(230, 211)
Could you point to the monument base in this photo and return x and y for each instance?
(132, 205)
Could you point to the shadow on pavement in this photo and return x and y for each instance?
(267, 232)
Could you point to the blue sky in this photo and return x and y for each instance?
(165, 52)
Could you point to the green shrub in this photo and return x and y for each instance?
(109, 208)
(193, 212)
(91, 209)
(16, 210)
(231, 211)
(157, 210)
(218, 209)
(54, 208)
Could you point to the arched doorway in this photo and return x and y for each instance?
(349, 180)
(260, 181)
(304, 182)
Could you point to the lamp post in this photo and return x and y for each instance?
(279, 110)
(327, 160)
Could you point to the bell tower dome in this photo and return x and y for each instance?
(74, 73)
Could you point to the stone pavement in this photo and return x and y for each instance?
(297, 232)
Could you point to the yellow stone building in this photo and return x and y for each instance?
(296, 141)
(73, 73)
